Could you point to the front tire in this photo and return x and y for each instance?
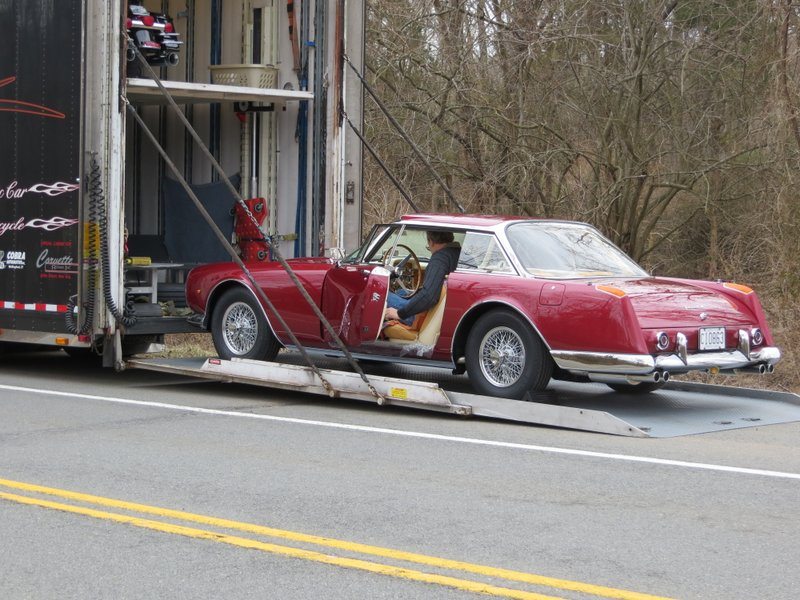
(505, 357)
(240, 329)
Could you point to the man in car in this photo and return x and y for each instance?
(443, 261)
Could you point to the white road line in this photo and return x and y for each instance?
(414, 434)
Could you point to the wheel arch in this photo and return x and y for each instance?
(469, 318)
(221, 288)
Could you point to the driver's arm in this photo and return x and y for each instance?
(427, 296)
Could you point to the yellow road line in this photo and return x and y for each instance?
(350, 563)
(422, 559)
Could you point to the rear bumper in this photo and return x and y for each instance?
(644, 364)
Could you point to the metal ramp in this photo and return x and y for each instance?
(677, 409)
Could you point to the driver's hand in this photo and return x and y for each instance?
(390, 314)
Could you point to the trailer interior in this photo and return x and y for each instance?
(244, 75)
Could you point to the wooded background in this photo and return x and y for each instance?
(672, 126)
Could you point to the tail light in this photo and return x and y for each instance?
(169, 28)
(128, 23)
(148, 20)
(662, 340)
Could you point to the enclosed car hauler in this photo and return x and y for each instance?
(83, 194)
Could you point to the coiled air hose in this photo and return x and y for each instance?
(95, 207)
(128, 319)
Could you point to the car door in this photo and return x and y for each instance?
(353, 301)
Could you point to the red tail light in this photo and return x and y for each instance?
(169, 28)
(128, 23)
(148, 20)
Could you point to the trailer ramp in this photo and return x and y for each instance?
(679, 408)
(397, 391)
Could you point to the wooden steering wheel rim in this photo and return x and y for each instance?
(411, 268)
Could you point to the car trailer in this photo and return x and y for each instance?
(679, 408)
(708, 408)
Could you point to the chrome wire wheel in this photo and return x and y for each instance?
(502, 356)
(505, 357)
(239, 328)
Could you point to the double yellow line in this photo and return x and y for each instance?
(340, 561)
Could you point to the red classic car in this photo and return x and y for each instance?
(530, 300)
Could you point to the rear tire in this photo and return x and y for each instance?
(636, 389)
(240, 329)
(505, 357)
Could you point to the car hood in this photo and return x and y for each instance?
(660, 302)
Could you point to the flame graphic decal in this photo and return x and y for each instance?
(58, 188)
(51, 224)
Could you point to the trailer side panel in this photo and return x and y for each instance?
(40, 121)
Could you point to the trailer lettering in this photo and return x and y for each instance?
(13, 259)
(60, 263)
(13, 192)
(17, 225)
(51, 224)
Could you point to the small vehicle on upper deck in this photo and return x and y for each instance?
(529, 301)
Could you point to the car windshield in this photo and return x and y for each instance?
(357, 255)
(568, 251)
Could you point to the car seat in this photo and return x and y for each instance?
(425, 329)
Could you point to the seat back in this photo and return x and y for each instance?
(429, 325)
(432, 324)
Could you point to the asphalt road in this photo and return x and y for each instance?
(279, 495)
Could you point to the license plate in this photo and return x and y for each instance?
(712, 338)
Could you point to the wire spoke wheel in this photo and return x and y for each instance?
(502, 357)
(240, 328)
(505, 357)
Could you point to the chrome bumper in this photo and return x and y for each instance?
(643, 364)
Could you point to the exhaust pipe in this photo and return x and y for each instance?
(655, 377)
(172, 59)
(761, 369)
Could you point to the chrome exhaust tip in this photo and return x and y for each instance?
(172, 59)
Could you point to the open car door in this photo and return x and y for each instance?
(353, 301)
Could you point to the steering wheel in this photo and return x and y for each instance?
(407, 272)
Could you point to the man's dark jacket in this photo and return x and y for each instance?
(442, 263)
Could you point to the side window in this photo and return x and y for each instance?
(409, 238)
(481, 252)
